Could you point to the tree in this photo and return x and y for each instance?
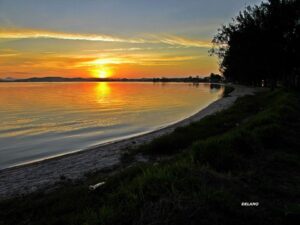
(215, 78)
(261, 44)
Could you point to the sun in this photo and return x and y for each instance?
(103, 72)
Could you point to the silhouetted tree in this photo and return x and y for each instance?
(215, 78)
(261, 44)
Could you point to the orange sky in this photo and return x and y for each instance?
(120, 38)
(96, 55)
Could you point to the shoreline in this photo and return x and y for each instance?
(28, 178)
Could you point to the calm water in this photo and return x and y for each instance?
(41, 120)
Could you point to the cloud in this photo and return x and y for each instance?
(135, 49)
(154, 39)
(29, 33)
(175, 40)
(138, 59)
(8, 52)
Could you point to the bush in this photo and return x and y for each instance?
(227, 91)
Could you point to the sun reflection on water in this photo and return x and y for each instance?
(103, 91)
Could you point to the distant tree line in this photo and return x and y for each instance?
(213, 78)
(262, 45)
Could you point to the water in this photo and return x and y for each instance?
(42, 120)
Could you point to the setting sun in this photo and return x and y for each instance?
(102, 72)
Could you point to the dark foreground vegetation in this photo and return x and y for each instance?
(248, 153)
(262, 45)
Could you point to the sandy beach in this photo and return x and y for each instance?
(43, 174)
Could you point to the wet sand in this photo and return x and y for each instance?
(44, 174)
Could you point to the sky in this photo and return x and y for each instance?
(111, 38)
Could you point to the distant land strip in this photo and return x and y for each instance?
(212, 78)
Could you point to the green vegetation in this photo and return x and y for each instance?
(248, 153)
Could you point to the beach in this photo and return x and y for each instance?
(45, 174)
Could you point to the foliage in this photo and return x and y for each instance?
(228, 89)
(262, 43)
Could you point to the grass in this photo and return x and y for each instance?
(248, 153)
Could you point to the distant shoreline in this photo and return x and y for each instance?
(41, 175)
(189, 79)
